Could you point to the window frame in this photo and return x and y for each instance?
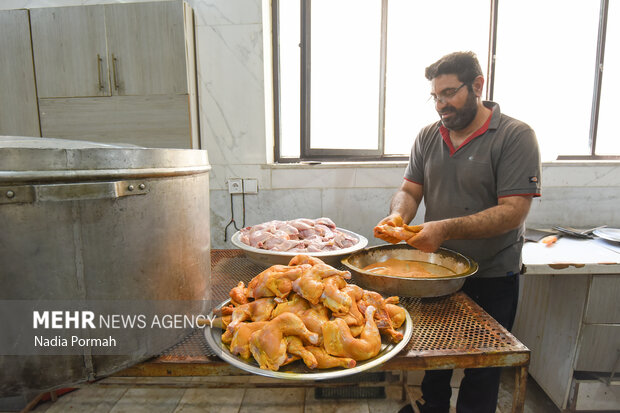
(312, 155)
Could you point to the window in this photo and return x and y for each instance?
(349, 78)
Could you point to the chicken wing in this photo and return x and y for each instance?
(334, 298)
(239, 294)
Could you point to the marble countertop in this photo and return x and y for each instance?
(572, 256)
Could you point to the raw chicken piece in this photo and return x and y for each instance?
(396, 231)
(335, 299)
(382, 316)
(325, 221)
(301, 224)
(239, 294)
(314, 318)
(295, 304)
(305, 259)
(268, 345)
(354, 317)
(326, 361)
(296, 347)
(338, 341)
(240, 343)
(310, 284)
(274, 281)
(286, 245)
(324, 231)
(397, 314)
(290, 230)
(257, 310)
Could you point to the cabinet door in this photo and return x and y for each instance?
(19, 114)
(146, 48)
(70, 51)
(156, 121)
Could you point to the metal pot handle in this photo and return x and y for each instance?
(71, 192)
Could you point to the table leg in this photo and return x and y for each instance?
(518, 399)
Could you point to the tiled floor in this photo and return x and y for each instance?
(155, 399)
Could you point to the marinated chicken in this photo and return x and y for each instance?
(396, 233)
(298, 235)
(307, 311)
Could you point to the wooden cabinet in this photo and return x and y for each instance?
(113, 73)
(146, 48)
(69, 46)
(19, 114)
(116, 49)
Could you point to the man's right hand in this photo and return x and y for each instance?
(392, 220)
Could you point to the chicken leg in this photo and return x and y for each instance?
(296, 347)
(268, 345)
(240, 343)
(326, 361)
(338, 341)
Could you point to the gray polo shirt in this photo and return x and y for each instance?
(501, 159)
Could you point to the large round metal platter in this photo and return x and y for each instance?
(609, 234)
(298, 370)
(269, 258)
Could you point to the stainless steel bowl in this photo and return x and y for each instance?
(269, 258)
(410, 287)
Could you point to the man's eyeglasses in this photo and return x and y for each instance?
(446, 94)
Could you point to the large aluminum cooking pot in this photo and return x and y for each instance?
(461, 265)
(88, 221)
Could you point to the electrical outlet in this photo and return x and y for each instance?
(235, 186)
(250, 186)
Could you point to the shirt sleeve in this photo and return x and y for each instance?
(519, 169)
(415, 167)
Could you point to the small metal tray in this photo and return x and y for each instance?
(298, 370)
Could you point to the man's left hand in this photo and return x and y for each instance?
(433, 234)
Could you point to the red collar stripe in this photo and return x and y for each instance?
(445, 134)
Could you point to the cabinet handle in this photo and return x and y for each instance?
(99, 71)
(115, 69)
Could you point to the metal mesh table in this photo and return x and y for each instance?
(448, 332)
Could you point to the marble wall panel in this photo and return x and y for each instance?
(349, 176)
(579, 207)
(220, 174)
(226, 12)
(265, 206)
(231, 93)
(313, 178)
(575, 175)
(386, 177)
